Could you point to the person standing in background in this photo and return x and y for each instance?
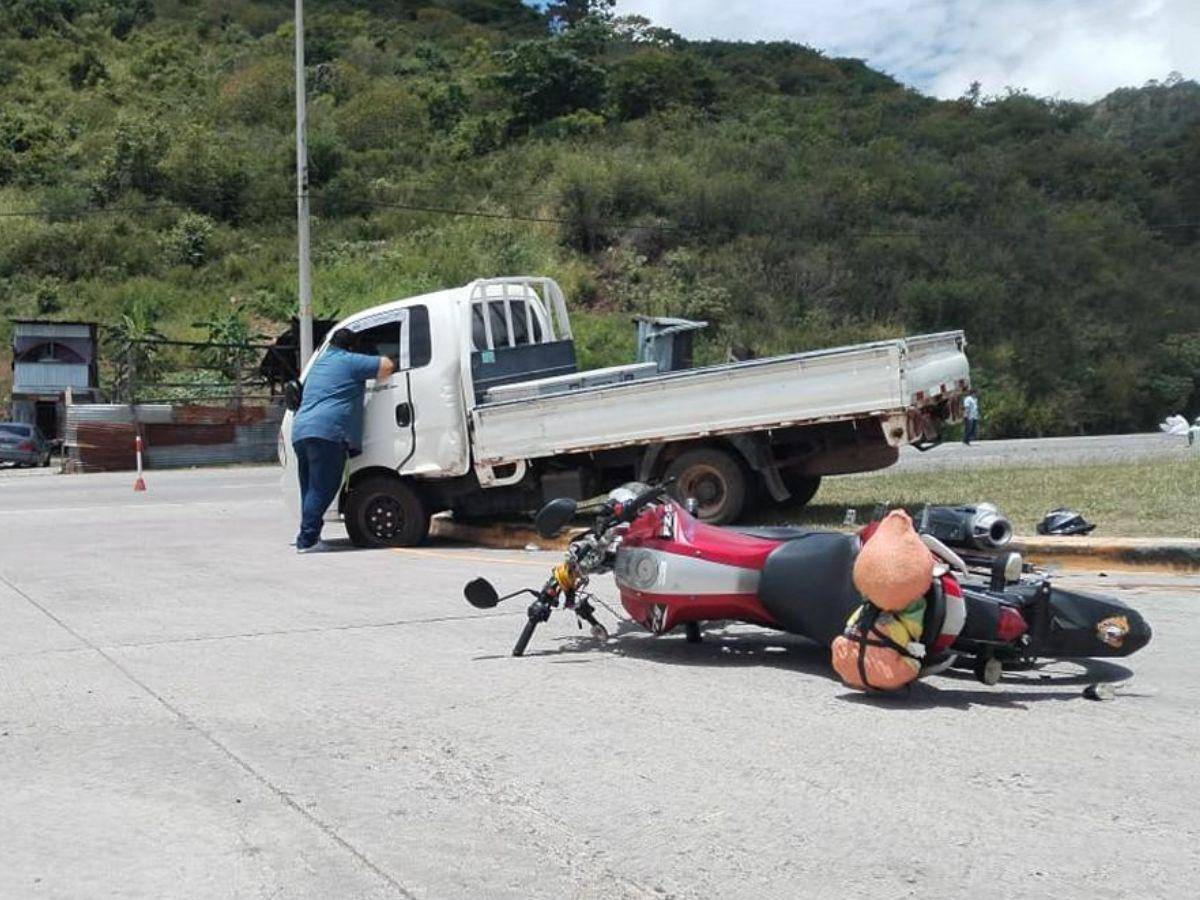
(970, 417)
(328, 426)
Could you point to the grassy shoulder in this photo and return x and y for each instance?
(1145, 499)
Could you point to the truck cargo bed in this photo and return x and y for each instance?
(882, 378)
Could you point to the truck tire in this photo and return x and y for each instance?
(714, 478)
(385, 512)
(802, 487)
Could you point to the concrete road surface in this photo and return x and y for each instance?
(188, 709)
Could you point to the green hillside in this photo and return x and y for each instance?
(792, 199)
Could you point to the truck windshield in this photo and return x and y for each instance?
(523, 316)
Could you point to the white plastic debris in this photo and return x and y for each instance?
(1176, 426)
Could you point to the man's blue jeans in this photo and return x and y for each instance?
(321, 464)
(970, 430)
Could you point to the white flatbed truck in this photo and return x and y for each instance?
(487, 414)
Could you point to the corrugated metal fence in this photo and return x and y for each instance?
(100, 436)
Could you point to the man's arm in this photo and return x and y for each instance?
(386, 368)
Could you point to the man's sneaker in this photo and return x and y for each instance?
(318, 547)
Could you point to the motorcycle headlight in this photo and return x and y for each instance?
(640, 569)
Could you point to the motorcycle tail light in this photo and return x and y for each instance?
(1010, 624)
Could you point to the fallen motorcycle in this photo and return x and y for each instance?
(673, 570)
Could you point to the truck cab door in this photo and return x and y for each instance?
(389, 427)
(432, 372)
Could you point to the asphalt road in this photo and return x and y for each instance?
(188, 709)
(1046, 452)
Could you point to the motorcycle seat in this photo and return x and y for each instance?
(807, 584)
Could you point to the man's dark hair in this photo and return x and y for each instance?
(344, 339)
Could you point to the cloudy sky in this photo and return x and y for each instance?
(1073, 49)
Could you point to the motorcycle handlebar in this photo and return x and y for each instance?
(630, 510)
(526, 633)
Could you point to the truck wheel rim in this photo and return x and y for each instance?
(706, 486)
(385, 517)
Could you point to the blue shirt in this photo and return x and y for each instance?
(332, 407)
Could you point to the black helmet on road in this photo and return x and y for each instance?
(1064, 521)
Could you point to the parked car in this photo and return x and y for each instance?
(23, 445)
(488, 414)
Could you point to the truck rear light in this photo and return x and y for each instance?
(1010, 625)
(26, 446)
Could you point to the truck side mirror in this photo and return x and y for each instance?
(293, 394)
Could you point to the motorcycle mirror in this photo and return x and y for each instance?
(554, 516)
(481, 594)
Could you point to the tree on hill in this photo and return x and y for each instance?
(568, 13)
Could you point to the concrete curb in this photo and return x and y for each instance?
(1172, 555)
(1164, 555)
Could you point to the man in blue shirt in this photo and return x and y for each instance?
(328, 425)
(970, 417)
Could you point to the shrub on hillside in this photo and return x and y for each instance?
(86, 70)
(134, 159)
(581, 123)
(188, 242)
(260, 93)
(382, 116)
(127, 15)
(203, 171)
(165, 64)
(71, 251)
(30, 147)
(656, 79)
(543, 81)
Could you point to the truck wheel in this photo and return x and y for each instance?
(714, 478)
(803, 488)
(385, 512)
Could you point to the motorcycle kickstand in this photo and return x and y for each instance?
(692, 631)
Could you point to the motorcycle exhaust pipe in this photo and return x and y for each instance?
(979, 527)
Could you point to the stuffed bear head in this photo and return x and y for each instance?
(894, 567)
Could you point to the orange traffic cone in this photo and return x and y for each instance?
(140, 483)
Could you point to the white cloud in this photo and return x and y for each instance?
(1077, 49)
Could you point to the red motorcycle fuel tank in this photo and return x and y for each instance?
(672, 569)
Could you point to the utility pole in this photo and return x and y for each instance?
(306, 331)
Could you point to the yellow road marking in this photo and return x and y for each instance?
(469, 557)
